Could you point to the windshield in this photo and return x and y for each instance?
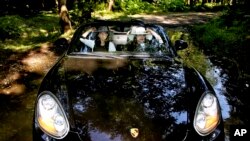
(129, 38)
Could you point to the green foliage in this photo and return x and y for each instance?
(75, 16)
(100, 6)
(82, 9)
(218, 38)
(172, 5)
(209, 7)
(10, 27)
(18, 33)
(227, 37)
(134, 6)
(192, 56)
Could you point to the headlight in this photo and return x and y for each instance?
(50, 116)
(207, 115)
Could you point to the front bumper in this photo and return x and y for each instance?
(190, 135)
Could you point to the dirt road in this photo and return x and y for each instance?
(174, 19)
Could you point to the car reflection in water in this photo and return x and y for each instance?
(125, 95)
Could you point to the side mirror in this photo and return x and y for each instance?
(180, 44)
(61, 45)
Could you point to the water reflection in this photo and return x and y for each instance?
(16, 117)
(234, 107)
(145, 94)
(96, 135)
(215, 72)
(232, 90)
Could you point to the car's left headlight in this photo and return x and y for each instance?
(50, 116)
(207, 115)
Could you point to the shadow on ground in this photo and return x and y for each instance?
(20, 77)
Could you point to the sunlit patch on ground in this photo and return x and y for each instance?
(9, 85)
(21, 68)
(39, 61)
(14, 89)
(10, 78)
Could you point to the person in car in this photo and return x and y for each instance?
(140, 39)
(101, 43)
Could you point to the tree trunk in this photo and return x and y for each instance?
(247, 4)
(87, 9)
(65, 21)
(203, 2)
(111, 3)
(191, 4)
(234, 2)
(187, 2)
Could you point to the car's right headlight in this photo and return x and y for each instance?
(50, 116)
(207, 115)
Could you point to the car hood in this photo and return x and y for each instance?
(112, 98)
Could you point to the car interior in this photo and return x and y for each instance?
(120, 38)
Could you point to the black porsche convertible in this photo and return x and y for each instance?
(129, 90)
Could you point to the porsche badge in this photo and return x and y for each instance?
(134, 132)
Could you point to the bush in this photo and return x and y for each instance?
(213, 7)
(216, 38)
(172, 5)
(134, 6)
(226, 37)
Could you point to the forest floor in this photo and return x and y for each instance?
(22, 72)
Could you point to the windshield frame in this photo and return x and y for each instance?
(157, 28)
